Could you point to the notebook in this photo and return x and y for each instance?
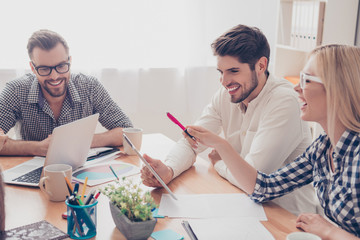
(70, 144)
(42, 230)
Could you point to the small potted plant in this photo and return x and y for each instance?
(131, 209)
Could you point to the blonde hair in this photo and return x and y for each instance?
(339, 68)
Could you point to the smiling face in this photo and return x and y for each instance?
(239, 80)
(54, 85)
(312, 96)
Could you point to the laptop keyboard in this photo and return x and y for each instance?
(30, 177)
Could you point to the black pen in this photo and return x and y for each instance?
(189, 230)
(77, 224)
(76, 189)
(90, 197)
(95, 198)
(81, 213)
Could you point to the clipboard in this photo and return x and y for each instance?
(150, 168)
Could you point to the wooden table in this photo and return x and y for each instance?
(25, 205)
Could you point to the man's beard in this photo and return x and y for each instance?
(55, 92)
(246, 93)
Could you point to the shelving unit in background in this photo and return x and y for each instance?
(338, 26)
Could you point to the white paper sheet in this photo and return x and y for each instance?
(229, 228)
(211, 205)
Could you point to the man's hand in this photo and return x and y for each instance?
(214, 157)
(3, 139)
(162, 170)
(10, 146)
(43, 147)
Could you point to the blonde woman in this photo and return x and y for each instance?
(329, 90)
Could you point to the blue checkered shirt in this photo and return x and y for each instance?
(23, 104)
(339, 194)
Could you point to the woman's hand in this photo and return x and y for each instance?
(316, 224)
(204, 136)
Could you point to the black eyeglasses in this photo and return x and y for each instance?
(46, 70)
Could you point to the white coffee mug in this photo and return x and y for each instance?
(54, 180)
(302, 236)
(135, 136)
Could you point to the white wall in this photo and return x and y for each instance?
(147, 94)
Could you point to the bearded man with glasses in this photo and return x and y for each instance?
(51, 96)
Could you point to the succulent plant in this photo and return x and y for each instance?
(132, 201)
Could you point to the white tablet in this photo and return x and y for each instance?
(149, 166)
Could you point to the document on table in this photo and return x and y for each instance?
(211, 205)
(229, 228)
(101, 173)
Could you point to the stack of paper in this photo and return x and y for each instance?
(211, 205)
(230, 228)
(218, 216)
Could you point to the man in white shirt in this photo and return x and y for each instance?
(258, 114)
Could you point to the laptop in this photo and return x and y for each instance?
(69, 144)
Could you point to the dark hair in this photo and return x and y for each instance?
(247, 44)
(46, 40)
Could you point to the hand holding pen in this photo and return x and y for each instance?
(206, 137)
(186, 134)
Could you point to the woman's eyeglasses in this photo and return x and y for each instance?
(304, 77)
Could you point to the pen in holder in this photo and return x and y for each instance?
(81, 220)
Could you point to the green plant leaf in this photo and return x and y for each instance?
(130, 199)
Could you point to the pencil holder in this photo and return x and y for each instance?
(81, 220)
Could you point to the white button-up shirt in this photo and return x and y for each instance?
(268, 134)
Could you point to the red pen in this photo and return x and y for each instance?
(95, 198)
(172, 118)
(97, 195)
(64, 215)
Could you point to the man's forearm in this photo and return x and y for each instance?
(111, 138)
(180, 158)
(224, 172)
(22, 148)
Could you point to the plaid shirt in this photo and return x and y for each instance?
(22, 103)
(339, 193)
